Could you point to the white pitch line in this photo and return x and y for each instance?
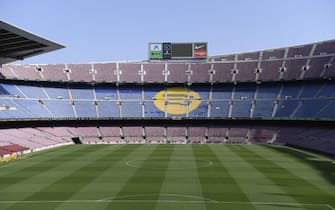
(168, 201)
(124, 197)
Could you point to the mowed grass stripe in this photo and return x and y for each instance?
(33, 183)
(313, 180)
(216, 181)
(66, 186)
(255, 184)
(146, 181)
(314, 168)
(293, 166)
(120, 172)
(41, 165)
(109, 182)
(39, 182)
(28, 159)
(294, 186)
(181, 182)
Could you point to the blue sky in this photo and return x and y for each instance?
(110, 30)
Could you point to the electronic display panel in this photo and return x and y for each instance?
(177, 51)
(200, 50)
(167, 51)
(182, 50)
(155, 51)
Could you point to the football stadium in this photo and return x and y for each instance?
(181, 130)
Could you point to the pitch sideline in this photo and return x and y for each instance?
(169, 201)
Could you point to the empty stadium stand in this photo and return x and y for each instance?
(311, 61)
(295, 99)
(320, 139)
(11, 148)
(47, 136)
(294, 83)
(31, 138)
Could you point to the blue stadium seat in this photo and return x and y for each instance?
(221, 92)
(315, 95)
(4, 114)
(241, 109)
(57, 92)
(12, 110)
(131, 109)
(328, 90)
(108, 109)
(310, 90)
(176, 116)
(130, 93)
(11, 90)
(201, 111)
(149, 93)
(266, 91)
(219, 109)
(202, 91)
(310, 108)
(106, 93)
(286, 108)
(82, 92)
(328, 112)
(60, 108)
(150, 110)
(32, 91)
(85, 109)
(245, 91)
(291, 90)
(263, 108)
(33, 107)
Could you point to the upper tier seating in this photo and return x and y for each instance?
(105, 72)
(80, 72)
(54, 72)
(310, 61)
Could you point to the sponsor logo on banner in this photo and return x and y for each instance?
(156, 51)
(167, 50)
(177, 100)
(200, 50)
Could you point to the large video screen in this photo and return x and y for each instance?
(182, 50)
(170, 51)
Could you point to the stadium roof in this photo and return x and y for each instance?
(18, 44)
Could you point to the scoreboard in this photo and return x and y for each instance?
(175, 51)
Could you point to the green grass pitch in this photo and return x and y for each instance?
(197, 177)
